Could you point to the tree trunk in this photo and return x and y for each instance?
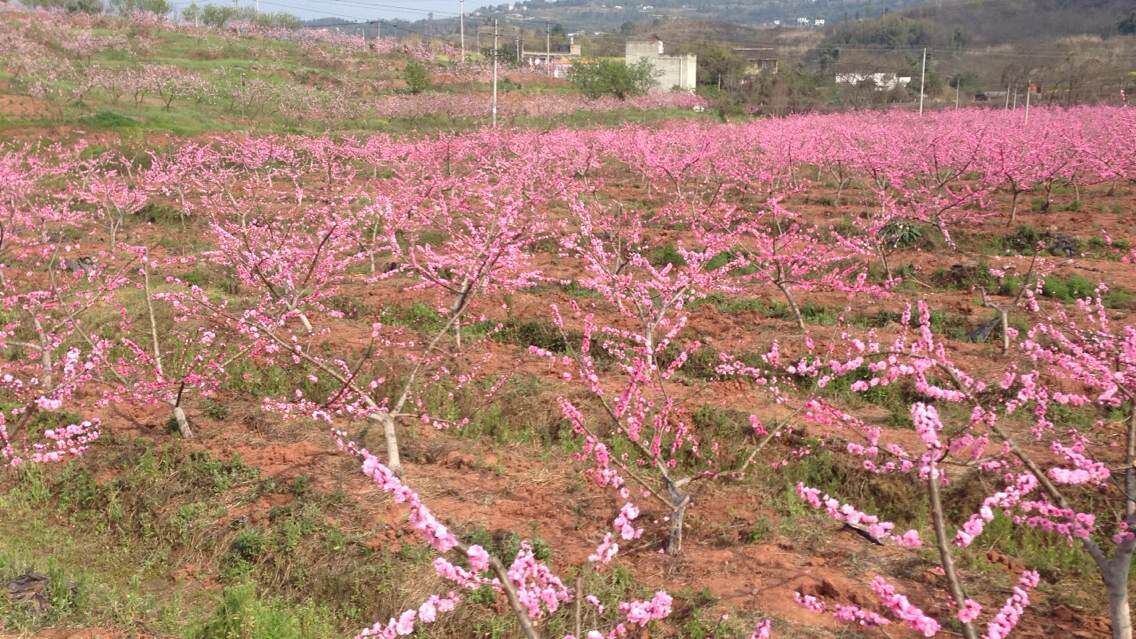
(679, 502)
(1013, 208)
(674, 539)
(1004, 318)
(182, 423)
(393, 460)
(307, 323)
(1115, 573)
(945, 556)
(1116, 584)
(793, 306)
(884, 260)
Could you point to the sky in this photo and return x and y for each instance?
(364, 9)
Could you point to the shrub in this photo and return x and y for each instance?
(902, 234)
(607, 77)
(666, 254)
(108, 120)
(1068, 289)
(416, 76)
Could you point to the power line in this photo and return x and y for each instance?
(348, 21)
(376, 5)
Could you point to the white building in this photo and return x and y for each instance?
(880, 81)
(671, 71)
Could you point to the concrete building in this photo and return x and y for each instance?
(671, 71)
(760, 60)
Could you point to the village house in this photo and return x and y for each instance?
(671, 71)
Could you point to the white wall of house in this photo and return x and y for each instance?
(671, 71)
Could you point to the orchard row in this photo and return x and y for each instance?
(103, 300)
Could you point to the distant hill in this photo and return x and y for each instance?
(986, 23)
(611, 15)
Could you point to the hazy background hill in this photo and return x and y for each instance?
(610, 15)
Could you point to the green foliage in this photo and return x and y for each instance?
(108, 120)
(191, 13)
(418, 316)
(719, 260)
(902, 234)
(1049, 554)
(246, 547)
(505, 545)
(962, 277)
(1120, 298)
(1068, 289)
(216, 16)
(891, 497)
(888, 32)
(717, 61)
(71, 6)
(575, 289)
(720, 422)
(728, 304)
(216, 475)
(542, 334)
(666, 254)
(609, 77)
(157, 213)
(1027, 238)
(280, 20)
(242, 614)
(159, 7)
(214, 409)
(1127, 24)
(416, 76)
(760, 531)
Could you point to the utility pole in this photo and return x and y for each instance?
(1029, 86)
(1015, 99)
(461, 25)
(548, 47)
(1007, 107)
(922, 80)
(958, 84)
(494, 73)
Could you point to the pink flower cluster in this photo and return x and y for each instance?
(880, 530)
(69, 441)
(763, 630)
(640, 613)
(421, 519)
(406, 622)
(1007, 618)
(1005, 499)
(858, 616)
(538, 590)
(903, 609)
(1084, 471)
